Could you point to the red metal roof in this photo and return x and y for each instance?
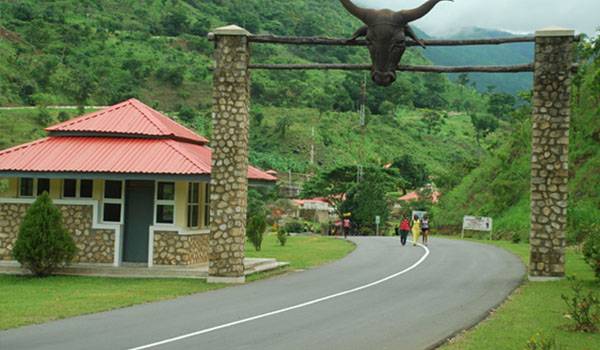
(103, 142)
(131, 117)
(113, 155)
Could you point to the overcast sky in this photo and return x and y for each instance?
(512, 15)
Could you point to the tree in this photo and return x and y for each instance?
(43, 243)
(412, 172)
(501, 105)
(175, 22)
(187, 113)
(434, 121)
(332, 184)
(463, 79)
(484, 124)
(256, 219)
(368, 199)
(283, 124)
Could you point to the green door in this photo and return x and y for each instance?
(139, 211)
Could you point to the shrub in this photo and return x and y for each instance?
(516, 237)
(44, 118)
(256, 220)
(294, 227)
(591, 249)
(43, 243)
(583, 309)
(541, 342)
(63, 116)
(282, 236)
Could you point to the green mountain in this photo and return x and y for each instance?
(507, 54)
(102, 52)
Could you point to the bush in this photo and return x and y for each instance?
(294, 227)
(43, 243)
(540, 342)
(583, 309)
(591, 249)
(44, 118)
(282, 236)
(516, 237)
(63, 116)
(256, 223)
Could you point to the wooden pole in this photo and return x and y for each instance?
(402, 68)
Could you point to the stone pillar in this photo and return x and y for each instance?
(229, 176)
(550, 153)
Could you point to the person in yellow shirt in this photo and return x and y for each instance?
(416, 229)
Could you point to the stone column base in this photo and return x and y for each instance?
(226, 280)
(545, 279)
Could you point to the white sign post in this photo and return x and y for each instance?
(377, 222)
(476, 223)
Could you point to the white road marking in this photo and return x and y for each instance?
(280, 311)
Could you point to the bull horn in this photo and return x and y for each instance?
(365, 15)
(407, 16)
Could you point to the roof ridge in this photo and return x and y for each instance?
(176, 148)
(150, 119)
(86, 117)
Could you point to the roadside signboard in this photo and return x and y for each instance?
(377, 220)
(477, 223)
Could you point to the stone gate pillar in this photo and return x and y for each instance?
(229, 179)
(550, 152)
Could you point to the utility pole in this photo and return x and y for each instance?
(312, 148)
(362, 112)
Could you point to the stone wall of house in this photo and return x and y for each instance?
(550, 153)
(93, 246)
(171, 248)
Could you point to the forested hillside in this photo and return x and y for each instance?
(500, 186)
(102, 52)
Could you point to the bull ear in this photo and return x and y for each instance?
(365, 15)
(407, 16)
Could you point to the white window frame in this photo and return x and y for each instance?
(34, 187)
(191, 204)
(165, 202)
(77, 189)
(120, 201)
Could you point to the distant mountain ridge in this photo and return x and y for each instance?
(508, 54)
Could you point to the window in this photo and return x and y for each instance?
(43, 185)
(73, 188)
(70, 188)
(28, 187)
(86, 189)
(206, 205)
(112, 204)
(165, 202)
(193, 204)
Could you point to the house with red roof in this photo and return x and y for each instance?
(133, 186)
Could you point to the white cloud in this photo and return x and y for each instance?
(512, 15)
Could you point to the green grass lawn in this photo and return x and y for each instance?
(27, 300)
(534, 308)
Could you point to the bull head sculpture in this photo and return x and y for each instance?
(386, 33)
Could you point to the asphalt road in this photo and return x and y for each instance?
(415, 303)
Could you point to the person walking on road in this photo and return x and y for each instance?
(346, 227)
(404, 229)
(425, 229)
(416, 229)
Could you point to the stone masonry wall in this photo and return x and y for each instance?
(93, 246)
(549, 163)
(229, 182)
(171, 248)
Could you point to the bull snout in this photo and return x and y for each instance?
(383, 78)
